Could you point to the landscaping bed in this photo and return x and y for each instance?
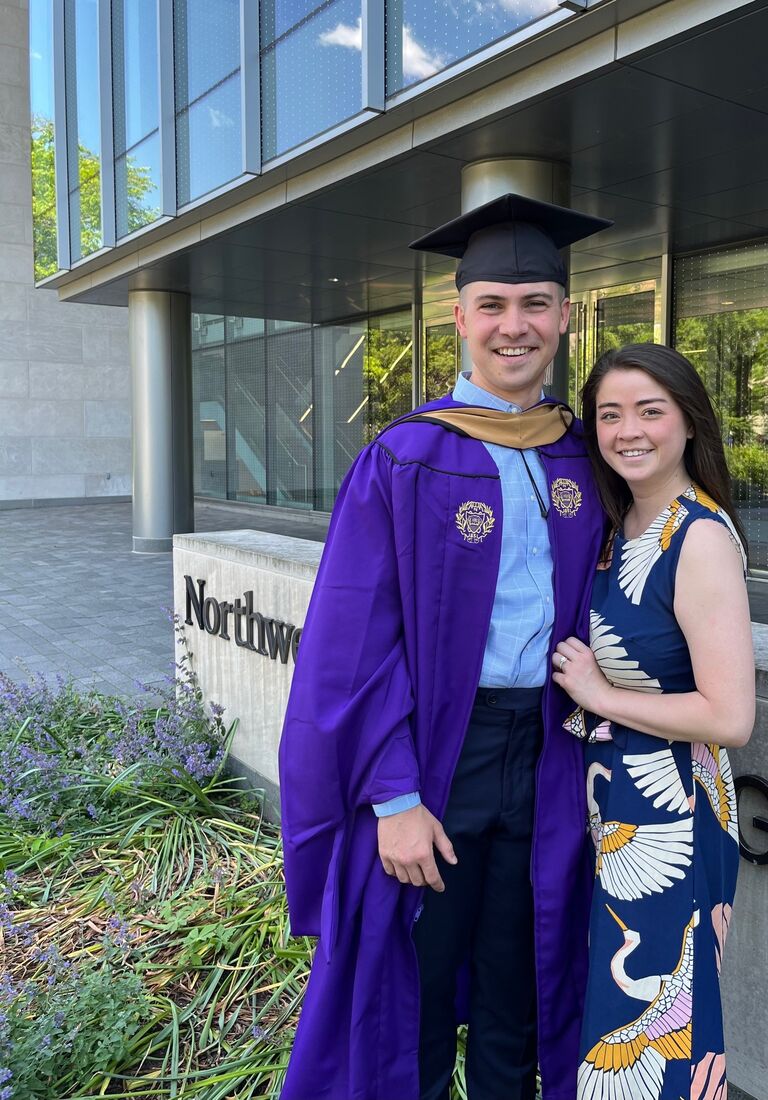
(144, 941)
(144, 948)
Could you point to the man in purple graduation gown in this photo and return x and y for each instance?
(468, 898)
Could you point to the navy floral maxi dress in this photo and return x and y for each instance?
(662, 815)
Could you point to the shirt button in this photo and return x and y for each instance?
(535, 551)
(532, 497)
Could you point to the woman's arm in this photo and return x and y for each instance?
(712, 610)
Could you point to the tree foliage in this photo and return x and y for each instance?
(43, 198)
(134, 181)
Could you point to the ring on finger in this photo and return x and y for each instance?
(563, 661)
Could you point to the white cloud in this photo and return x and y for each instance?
(418, 63)
(35, 55)
(220, 120)
(344, 35)
(528, 9)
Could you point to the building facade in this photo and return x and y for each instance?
(65, 422)
(246, 177)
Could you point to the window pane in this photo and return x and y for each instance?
(209, 421)
(137, 185)
(311, 70)
(625, 319)
(246, 414)
(207, 78)
(83, 126)
(210, 131)
(424, 38)
(43, 169)
(136, 113)
(289, 369)
(721, 325)
(441, 363)
(339, 427)
(388, 372)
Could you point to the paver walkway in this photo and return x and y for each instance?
(75, 601)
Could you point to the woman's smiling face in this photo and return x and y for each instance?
(641, 430)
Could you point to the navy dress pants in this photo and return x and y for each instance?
(485, 916)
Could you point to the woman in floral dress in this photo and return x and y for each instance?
(665, 687)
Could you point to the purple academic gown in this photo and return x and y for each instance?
(382, 692)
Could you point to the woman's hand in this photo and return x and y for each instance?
(576, 671)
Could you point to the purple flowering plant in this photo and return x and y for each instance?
(69, 758)
(144, 944)
(66, 1023)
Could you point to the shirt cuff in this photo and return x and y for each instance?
(397, 805)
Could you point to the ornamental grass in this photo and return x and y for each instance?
(144, 947)
(144, 940)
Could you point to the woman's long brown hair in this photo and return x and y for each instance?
(704, 456)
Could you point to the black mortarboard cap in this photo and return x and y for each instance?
(511, 239)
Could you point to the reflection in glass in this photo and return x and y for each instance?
(422, 39)
(81, 68)
(207, 81)
(628, 313)
(441, 360)
(136, 113)
(388, 371)
(209, 420)
(281, 410)
(721, 325)
(625, 319)
(247, 414)
(311, 69)
(289, 373)
(43, 169)
(339, 392)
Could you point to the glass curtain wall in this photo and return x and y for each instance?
(246, 390)
(209, 402)
(136, 113)
(387, 371)
(81, 68)
(311, 69)
(207, 80)
(288, 354)
(441, 359)
(629, 313)
(721, 325)
(442, 344)
(422, 39)
(43, 169)
(282, 409)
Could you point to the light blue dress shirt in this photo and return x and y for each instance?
(523, 611)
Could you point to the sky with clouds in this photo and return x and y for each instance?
(435, 35)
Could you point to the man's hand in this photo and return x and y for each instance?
(406, 846)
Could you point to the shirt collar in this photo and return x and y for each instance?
(470, 394)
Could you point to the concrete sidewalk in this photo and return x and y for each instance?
(75, 600)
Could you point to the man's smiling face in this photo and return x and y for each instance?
(512, 333)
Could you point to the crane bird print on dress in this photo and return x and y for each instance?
(637, 860)
(630, 1062)
(613, 659)
(656, 775)
(712, 769)
(639, 555)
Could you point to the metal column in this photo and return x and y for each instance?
(536, 179)
(159, 325)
